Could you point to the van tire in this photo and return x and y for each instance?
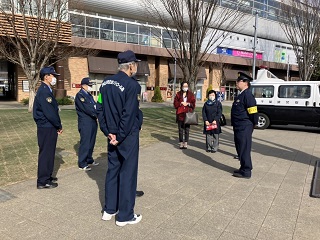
(263, 121)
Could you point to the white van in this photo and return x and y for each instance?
(286, 102)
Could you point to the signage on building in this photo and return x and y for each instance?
(280, 55)
(76, 85)
(25, 86)
(238, 53)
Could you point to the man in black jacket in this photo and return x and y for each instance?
(46, 116)
(87, 124)
(244, 117)
(121, 122)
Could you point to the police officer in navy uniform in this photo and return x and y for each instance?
(244, 117)
(46, 116)
(87, 124)
(119, 97)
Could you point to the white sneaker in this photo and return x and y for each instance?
(95, 163)
(86, 168)
(107, 216)
(137, 218)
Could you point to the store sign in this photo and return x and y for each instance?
(238, 53)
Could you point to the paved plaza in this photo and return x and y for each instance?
(189, 194)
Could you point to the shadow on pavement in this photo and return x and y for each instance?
(227, 138)
(98, 174)
(202, 157)
(58, 160)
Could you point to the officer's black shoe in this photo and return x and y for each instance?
(237, 171)
(239, 175)
(213, 151)
(53, 179)
(48, 186)
(139, 193)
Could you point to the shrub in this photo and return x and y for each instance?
(25, 101)
(157, 95)
(208, 89)
(65, 101)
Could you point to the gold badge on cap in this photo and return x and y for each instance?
(82, 99)
(49, 99)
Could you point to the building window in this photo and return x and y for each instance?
(119, 26)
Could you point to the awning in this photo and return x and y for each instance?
(110, 66)
(102, 65)
(232, 74)
(143, 69)
(179, 73)
(201, 74)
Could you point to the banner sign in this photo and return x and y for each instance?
(238, 53)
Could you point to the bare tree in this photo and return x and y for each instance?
(300, 21)
(34, 33)
(197, 27)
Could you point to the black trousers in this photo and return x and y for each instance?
(47, 141)
(121, 179)
(184, 130)
(88, 133)
(243, 143)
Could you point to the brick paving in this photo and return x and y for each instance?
(189, 194)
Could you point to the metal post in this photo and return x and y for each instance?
(288, 69)
(254, 46)
(174, 78)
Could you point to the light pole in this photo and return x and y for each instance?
(254, 46)
(288, 69)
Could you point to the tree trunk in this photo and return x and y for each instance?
(32, 94)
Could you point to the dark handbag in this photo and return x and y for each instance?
(211, 127)
(222, 120)
(191, 118)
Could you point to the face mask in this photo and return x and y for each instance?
(185, 89)
(53, 81)
(89, 89)
(212, 98)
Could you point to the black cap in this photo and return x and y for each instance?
(86, 81)
(244, 77)
(47, 71)
(127, 56)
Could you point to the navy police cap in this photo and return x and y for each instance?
(127, 56)
(86, 81)
(47, 71)
(244, 77)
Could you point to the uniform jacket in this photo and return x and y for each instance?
(244, 110)
(86, 107)
(212, 111)
(45, 108)
(118, 106)
(180, 109)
